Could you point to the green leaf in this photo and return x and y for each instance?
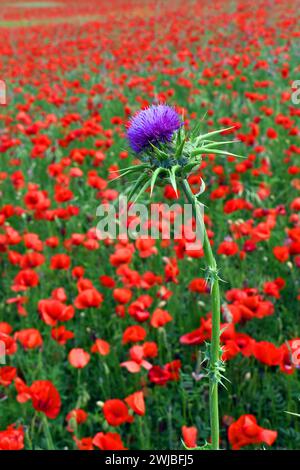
(189, 167)
(154, 178)
(158, 152)
(209, 134)
(202, 188)
(135, 167)
(291, 413)
(172, 173)
(142, 190)
(205, 150)
(140, 181)
(206, 446)
(179, 149)
(128, 172)
(196, 130)
(224, 142)
(178, 138)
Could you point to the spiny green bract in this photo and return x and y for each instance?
(166, 162)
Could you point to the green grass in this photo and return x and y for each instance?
(253, 388)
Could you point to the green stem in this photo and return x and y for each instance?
(215, 338)
(49, 440)
(32, 429)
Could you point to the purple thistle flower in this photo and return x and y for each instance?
(154, 125)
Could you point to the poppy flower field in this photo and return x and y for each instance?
(104, 342)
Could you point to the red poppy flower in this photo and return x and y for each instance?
(19, 301)
(23, 391)
(199, 335)
(267, 353)
(107, 281)
(121, 256)
(84, 284)
(136, 402)
(228, 248)
(44, 396)
(189, 435)
(230, 350)
(129, 277)
(159, 375)
(7, 375)
(160, 318)
(136, 361)
(78, 272)
(77, 416)
(101, 347)
(122, 295)
(234, 205)
(173, 368)
(88, 298)
(59, 294)
(29, 338)
(294, 248)
(32, 260)
(116, 412)
(12, 438)
(86, 443)
(108, 441)
(78, 358)
(199, 285)
(53, 242)
(60, 261)
(9, 343)
(53, 311)
(245, 431)
(25, 279)
(146, 247)
(169, 192)
(138, 309)
(171, 270)
(150, 349)
(61, 334)
(290, 356)
(245, 343)
(273, 288)
(281, 253)
(5, 328)
(133, 334)
(33, 242)
(271, 133)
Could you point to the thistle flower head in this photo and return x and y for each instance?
(153, 125)
(167, 152)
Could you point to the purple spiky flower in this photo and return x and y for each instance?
(154, 125)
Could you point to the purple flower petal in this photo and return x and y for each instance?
(153, 125)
